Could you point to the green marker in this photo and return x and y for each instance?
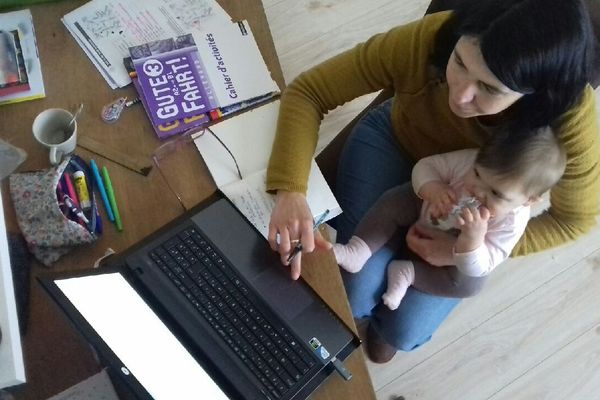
(111, 198)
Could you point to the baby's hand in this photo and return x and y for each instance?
(441, 196)
(473, 224)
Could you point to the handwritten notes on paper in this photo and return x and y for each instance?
(255, 129)
(250, 197)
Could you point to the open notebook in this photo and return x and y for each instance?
(249, 137)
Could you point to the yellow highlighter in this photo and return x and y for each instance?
(111, 198)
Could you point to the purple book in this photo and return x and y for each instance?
(173, 79)
(168, 129)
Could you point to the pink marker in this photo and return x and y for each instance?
(71, 189)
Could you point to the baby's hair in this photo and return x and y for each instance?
(536, 159)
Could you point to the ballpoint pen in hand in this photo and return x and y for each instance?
(298, 248)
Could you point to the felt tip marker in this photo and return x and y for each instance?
(111, 197)
(102, 190)
(70, 189)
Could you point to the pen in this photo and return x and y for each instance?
(102, 190)
(69, 201)
(111, 198)
(75, 209)
(298, 247)
(98, 225)
(60, 192)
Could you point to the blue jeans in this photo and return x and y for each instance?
(372, 162)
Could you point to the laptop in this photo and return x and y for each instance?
(203, 308)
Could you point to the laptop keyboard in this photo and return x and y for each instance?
(216, 290)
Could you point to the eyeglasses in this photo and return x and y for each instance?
(177, 144)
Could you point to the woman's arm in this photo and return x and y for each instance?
(393, 59)
(396, 59)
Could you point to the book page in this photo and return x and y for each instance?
(249, 137)
(250, 197)
(105, 29)
(234, 66)
(22, 22)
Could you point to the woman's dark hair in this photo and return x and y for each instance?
(542, 48)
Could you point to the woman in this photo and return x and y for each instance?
(456, 76)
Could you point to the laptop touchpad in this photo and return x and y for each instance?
(287, 296)
(254, 259)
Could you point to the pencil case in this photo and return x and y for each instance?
(48, 231)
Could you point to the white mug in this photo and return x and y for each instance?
(51, 128)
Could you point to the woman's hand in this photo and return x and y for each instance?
(291, 224)
(432, 245)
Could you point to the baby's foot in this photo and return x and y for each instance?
(401, 274)
(352, 256)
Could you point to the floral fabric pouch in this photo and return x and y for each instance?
(43, 220)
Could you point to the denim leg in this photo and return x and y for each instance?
(370, 164)
(365, 288)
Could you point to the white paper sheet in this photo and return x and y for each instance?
(12, 370)
(249, 136)
(105, 29)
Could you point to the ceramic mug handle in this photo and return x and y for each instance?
(55, 155)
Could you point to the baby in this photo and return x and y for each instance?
(482, 196)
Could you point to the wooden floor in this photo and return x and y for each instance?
(534, 333)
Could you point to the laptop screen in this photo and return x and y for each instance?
(136, 335)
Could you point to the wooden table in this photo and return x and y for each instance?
(56, 357)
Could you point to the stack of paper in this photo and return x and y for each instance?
(20, 69)
(250, 137)
(106, 29)
(220, 69)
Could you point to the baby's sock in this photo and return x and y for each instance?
(352, 256)
(401, 274)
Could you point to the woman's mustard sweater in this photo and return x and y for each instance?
(425, 125)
